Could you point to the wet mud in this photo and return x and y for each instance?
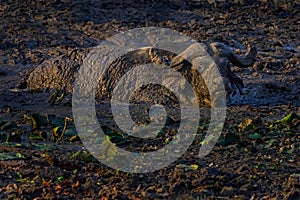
(257, 155)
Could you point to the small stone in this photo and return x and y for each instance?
(227, 190)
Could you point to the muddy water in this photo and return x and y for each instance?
(33, 31)
(36, 32)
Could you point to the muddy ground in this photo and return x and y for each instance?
(256, 157)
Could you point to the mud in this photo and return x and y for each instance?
(254, 159)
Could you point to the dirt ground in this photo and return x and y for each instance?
(257, 155)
